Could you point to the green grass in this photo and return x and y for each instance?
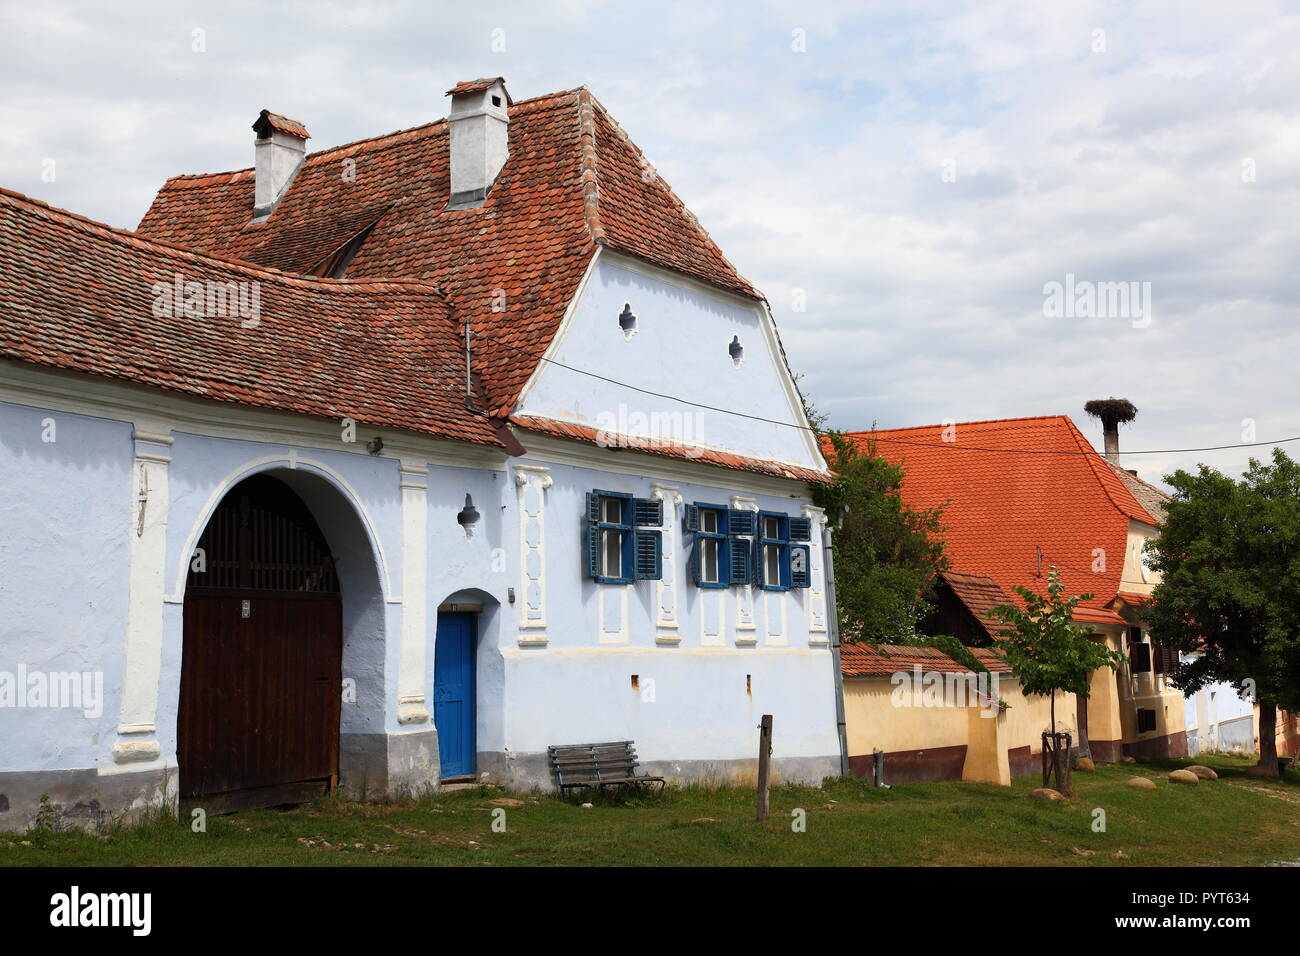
(1224, 822)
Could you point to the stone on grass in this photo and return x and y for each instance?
(1046, 793)
(1084, 763)
(1205, 773)
(1129, 760)
(1183, 776)
(1142, 783)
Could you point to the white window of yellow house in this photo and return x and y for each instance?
(611, 539)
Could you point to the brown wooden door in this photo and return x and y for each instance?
(258, 722)
(259, 695)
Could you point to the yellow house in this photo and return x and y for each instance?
(1019, 497)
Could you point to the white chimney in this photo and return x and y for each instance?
(280, 148)
(479, 124)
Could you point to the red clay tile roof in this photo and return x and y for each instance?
(584, 433)
(1133, 598)
(1012, 486)
(979, 593)
(1148, 495)
(79, 296)
(282, 123)
(478, 86)
(863, 660)
(573, 181)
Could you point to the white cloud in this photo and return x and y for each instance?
(818, 170)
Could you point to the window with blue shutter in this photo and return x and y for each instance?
(619, 548)
(740, 522)
(709, 556)
(800, 569)
(800, 529)
(647, 555)
(772, 552)
(738, 561)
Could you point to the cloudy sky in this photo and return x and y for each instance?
(903, 180)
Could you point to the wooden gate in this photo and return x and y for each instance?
(261, 665)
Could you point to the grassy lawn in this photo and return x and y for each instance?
(1230, 821)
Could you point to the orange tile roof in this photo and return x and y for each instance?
(79, 296)
(584, 433)
(980, 593)
(477, 86)
(863, 660)
(282, 123)
(1013, 486)
(573, 181)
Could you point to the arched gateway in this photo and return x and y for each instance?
(261, 667)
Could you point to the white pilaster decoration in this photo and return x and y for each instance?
(745, 626)
(412, 707)
(666, 587)
(136, 728)
(531, 482)
(815, 600)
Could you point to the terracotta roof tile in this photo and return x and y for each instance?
(584, 433)
(1014, 486)
(510, 267)
(863, 660)
(477, 86)
(281, 123)
(80, 296)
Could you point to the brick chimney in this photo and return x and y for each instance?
(479, 124)
(279, 150)
(1111, 411)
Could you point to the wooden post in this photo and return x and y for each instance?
(764, 760)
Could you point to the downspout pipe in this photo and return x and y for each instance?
(833, 618)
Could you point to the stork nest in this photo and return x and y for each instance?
(1111, 409)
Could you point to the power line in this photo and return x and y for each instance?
(871, 435)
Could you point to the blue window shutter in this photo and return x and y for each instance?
(800, 568)
(648, 512)
(691, 521)
(740, 522)
(593, 506)
(800, 529)
(593, 551)
(738, 569)
(648, 555)
(693, 563)
(760, 572)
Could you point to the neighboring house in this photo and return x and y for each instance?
(306, 532)
(1019, 497)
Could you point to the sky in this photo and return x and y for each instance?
(913, 185)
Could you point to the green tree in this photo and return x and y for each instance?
(1229, 559)
(1048, 652)
(886, 554)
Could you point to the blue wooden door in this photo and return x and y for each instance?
(453, 693)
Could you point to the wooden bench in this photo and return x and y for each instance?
(611, 764)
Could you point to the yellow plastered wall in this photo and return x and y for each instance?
(878, 718)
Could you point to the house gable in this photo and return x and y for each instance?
(647, 357)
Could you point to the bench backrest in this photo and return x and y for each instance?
(592, 763)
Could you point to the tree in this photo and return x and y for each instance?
(1229, 559)
(886, 554)
(1048, 652)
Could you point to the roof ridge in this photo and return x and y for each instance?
(982, 421)
(441, 121)
(664, 185)
(1142, 481)
(133, 239)
(1095, 461)
(589, 165)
